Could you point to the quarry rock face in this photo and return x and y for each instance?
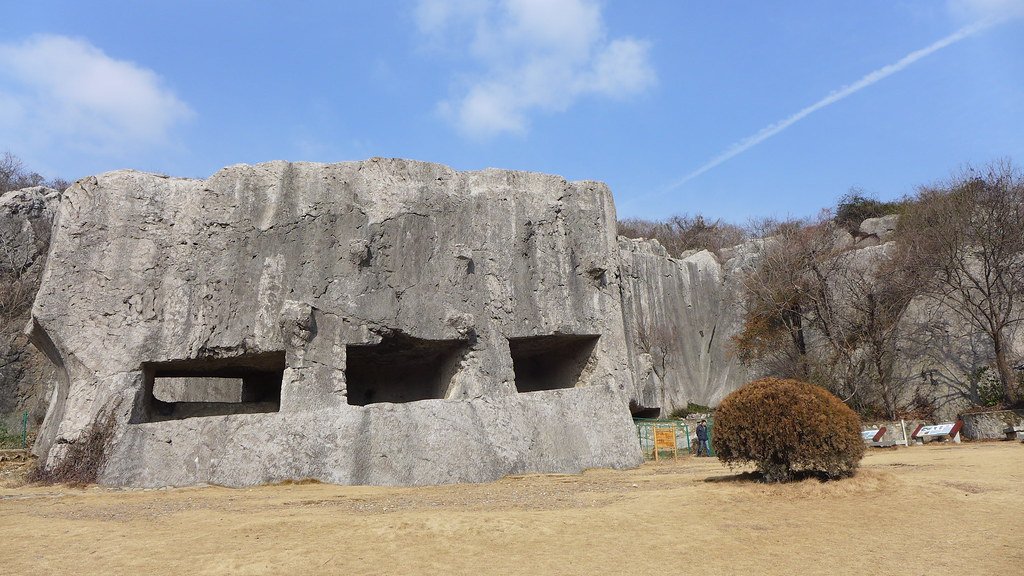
(26, 217)
(383, 322)
(680, 315)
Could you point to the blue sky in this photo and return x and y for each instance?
(681, 106)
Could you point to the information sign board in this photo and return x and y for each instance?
(873, 435)
(951, 429)
(665, 437)
(936, 429)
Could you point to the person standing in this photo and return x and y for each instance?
(702, 439)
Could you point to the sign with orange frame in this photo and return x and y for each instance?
(665, 437)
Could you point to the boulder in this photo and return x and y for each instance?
(991, 425)
(878, 230)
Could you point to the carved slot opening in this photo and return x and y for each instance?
(550, 362)
(401, 368)
(639, 411)
(245, 384)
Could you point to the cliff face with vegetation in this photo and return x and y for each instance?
(26, 217)
(819, 302)
(294, 269)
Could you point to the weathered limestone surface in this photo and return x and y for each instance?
(991, 425)
(680, 315)
(199, 389)
(882, 228)
(26, 217)
(426, 442)
(941, 351)
(308, 260)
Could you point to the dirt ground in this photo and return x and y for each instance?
(950, 509)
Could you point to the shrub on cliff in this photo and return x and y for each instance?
(854, 207)
(788, 427)
(682, 232)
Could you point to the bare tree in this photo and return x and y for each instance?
(965, 244)
(11, 172)
(819, 311)
(780, 296)
(659, 341)
(683, 232)
(872, 297)
(14, 176)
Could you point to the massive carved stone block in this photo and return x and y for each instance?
(385, 322)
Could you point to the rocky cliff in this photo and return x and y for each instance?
(26, 217)
(680, 315)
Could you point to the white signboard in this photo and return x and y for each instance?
(873, 435)
(936, 430)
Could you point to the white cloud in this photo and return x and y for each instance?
(61, 89)
(533, 55)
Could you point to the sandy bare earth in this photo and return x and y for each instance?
(955, 509)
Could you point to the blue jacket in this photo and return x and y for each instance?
(702, 432)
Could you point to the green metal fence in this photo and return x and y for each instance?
(645, 429)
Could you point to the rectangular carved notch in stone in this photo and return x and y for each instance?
(550, 362)
(244, 384)
(401, 369)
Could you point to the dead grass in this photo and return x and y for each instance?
(82, 459)
(931, 509)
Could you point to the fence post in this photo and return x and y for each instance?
(24, 430)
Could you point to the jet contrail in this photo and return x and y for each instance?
(769, 131)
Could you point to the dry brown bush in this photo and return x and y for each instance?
(83, 459)
(683, 232)
(788, 428)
